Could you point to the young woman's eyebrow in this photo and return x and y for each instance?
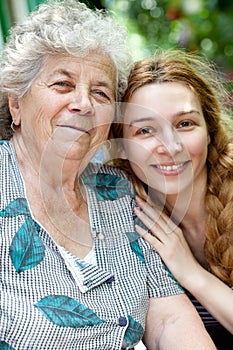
(178, 114)
(140, 120)
(183, 113)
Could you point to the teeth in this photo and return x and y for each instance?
(170, 167)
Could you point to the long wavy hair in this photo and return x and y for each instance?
(197, 73)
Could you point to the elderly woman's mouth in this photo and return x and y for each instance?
(74, 128)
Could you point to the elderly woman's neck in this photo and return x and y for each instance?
(47, 168)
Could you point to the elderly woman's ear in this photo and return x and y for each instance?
(14, 108)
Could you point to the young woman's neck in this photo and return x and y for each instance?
(187, 206)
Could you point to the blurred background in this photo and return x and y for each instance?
(203, 26)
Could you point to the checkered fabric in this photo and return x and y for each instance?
(41, 305)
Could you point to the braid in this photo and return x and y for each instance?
(219, 203)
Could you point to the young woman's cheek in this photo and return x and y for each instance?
(138, 156)
(196, 145)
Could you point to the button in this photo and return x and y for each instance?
(87, 283)
(101, 235)
(111, 279)
(122, 321)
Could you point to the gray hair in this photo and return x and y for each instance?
(59, 27)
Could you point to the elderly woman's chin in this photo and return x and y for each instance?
(68, 143)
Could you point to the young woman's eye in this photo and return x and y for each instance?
(145, 131)
(185, 124)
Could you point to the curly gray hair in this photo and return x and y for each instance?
(59, 27)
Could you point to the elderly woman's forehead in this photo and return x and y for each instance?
(96, 60)
(99, 69)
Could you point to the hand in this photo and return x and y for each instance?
(168, 239)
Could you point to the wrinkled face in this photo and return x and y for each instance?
(69, 106)
(165, 137)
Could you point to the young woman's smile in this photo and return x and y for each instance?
(165, 136)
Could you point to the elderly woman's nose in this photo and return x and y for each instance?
(81, 102)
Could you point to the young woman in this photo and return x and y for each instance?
(180, 153)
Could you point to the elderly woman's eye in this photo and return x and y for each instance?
(62, 83)
(102, 94)
(62, 86)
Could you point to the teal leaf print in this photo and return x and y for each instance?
(134, 244)
(16, 207)
(67, 312)
(171, 275)
(132, 236)
(134, 332)
(138, 222)
(81, 264)
(27, 249)
(5, 346)
(107, 186)
(137, 250)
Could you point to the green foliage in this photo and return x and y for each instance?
(93, 3)
(203, 26)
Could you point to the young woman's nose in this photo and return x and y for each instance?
(169, 142)
(81, 102)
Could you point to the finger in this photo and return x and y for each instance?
(152, 212)
(145, 234)
(146, 220)
(152, 226)
(152, 219)
(157, 215)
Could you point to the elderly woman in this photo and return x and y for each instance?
(74, 274)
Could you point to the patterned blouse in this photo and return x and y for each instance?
(50, 299)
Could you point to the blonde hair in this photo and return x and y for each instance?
(196, 72)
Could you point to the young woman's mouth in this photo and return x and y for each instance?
(171, 169)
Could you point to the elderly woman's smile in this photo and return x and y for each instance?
(71, 94)
(72, 127)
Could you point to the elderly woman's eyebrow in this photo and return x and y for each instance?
(70, 74)
(61, 71)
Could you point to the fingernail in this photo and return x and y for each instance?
(137, 208)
